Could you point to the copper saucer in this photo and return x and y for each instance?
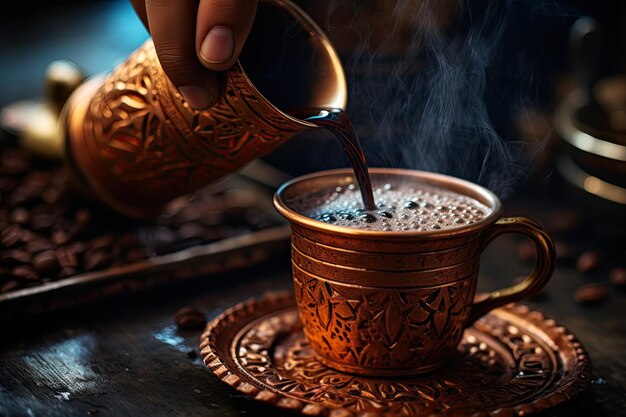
(514, 361)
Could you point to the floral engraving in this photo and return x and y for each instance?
(383, 328)
(488, 373)
(139, 129)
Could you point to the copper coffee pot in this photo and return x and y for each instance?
(132, 142)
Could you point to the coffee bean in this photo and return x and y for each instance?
(67, 258)
(588, 262)
(60, 237)
(526, 252)
(20, 216)
(9, 286)
(25, 273)
(10, 236)
(76, 247)
(97, 259)
(591, 294)
(67, 272)
(617, 276)
(46, 263)
(38, 245)
(189, 318)
(14, 258)
(26, 236)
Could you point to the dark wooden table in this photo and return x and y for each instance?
(124, 357)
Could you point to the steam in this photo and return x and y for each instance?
(419, 84)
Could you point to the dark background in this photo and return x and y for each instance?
(529, 67)
(98, 34)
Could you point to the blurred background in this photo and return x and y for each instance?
(99, 34)
(510, 62)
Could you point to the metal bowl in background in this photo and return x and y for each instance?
(593, 140)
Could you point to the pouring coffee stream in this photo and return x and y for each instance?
(132, 142)
(337, 122)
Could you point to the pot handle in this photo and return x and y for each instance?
(532, 284)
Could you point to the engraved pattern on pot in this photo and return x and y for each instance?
(378, 328)
(139, 126)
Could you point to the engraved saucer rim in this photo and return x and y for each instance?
(576, 373)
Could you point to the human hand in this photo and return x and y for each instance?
(195, 38)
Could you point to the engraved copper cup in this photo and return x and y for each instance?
(135, 144)
(396, 303)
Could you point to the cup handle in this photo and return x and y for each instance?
(533, 283)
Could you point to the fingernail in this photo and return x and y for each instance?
(196, 96)
(218, 45)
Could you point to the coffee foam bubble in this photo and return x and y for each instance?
(401, 207)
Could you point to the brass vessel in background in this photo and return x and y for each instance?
(133, 142)
(591, 121)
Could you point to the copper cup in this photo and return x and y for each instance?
(396, 303)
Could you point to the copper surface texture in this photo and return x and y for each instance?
(512, 361)
(397, 303)
(135, 144)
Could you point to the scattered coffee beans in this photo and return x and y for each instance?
(189, 318)
(48, 232)
(591, 294)
(588, 262)
(46, 263)
(617, 276)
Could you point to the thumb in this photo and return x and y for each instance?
(221, 30)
